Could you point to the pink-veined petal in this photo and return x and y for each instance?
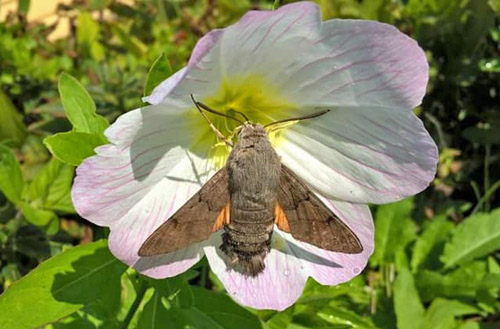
(370, 155)
(202, 75)
(331, 268)
(277, 287)
(139, 180)
(358, 63)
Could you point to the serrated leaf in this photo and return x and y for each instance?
(73, 147)
(62, 285)
(441, 314)
(393, 231)
(159, 71)
(475, 237)
(433, 237)
(79, 106)
(407, 305)
(11, 123)
(11, 177)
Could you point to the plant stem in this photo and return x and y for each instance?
(486, 197)
(135, 305)
(204, 275)
(487, 176)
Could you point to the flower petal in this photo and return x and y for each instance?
(267, 42)
(277, 287)
(358, 63)
(139, 180)
(201, 76)
(245, 48)
(369, 155)
(331, 268)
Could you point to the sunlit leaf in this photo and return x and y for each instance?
(407, 305)
(441, 314)
(475, 237)
(87, 29)
(433, 237)
(42, 218)
(73, 147)
(79, 106)
(51, 187)
(393, 231)
(11, 123)
(160, 71)
(60, 286)
(11, 178)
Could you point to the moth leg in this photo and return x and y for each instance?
(222, 219)
(280, 219)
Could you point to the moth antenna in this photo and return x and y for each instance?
(201, 106)
(220, 135)
(309, 116)
(242, 114)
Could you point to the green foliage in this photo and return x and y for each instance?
(160, 70)
(11, 178)
(11, 125)
(436, 260)
(407, 305)
(63, 285)
(476, 237)
(88, 127)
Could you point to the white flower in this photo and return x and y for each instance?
(370, 148)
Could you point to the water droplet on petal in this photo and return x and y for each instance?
(356, 270)
(286, 272)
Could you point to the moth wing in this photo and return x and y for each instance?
(206, 212)
(308, 219)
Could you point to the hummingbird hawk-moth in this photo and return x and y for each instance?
(246, 198)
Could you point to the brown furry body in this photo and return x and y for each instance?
(254, 176)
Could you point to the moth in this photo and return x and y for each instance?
(253, 192)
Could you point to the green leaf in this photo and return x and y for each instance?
(160, 71)
(486, 134)
(79, 106)
(73, 147)
(461, 283)
(342, 316)
(11, 177)
(218, 310)
(431, 240)
(51, 187)
(24, 6)
(407, 305)
(210, 310)
(441, 314)
(11, 123)
(470, 325)
(61, 285)
(87, 29)
(42, 218)
(476, 237)
(155, 314)
(393, 231)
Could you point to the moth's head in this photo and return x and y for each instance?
(249, 129)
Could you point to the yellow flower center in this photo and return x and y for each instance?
(252, 95)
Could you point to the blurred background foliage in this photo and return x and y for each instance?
(437, 260)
